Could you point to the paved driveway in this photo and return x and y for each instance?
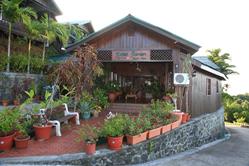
(232, 152)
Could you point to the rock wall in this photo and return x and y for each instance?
(195, 133)
(7, 80)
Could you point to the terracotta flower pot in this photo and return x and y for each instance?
(16, 102)
(154, 132)
(184, 117)
(166, 128)
(42, 132)
(136, 138)
(6, 143)
(21, 142)
(115, 143)
(95, 114)
(5, 102)
(189, 116)
(112, 97)
(168, 99)
(179, 116)
(90, 148)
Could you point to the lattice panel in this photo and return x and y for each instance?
(165, 55)
(104, 55)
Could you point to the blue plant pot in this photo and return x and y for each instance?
(86, 115)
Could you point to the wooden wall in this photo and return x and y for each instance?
(131, 36)
(202, 103)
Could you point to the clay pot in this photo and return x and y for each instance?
(6, 142)
(112, 97)
(136, 138)
(95, 114)
(185, 117)
(16, 102)
(166, 128)
(5, 102)
(115, 143)
(154, 132)
(168, 99)
(188, 118)
(90, 148)
(42, 132)
(21, 142)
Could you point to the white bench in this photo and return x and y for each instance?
(58, 115)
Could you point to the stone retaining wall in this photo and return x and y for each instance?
(7, 80)
(195, 133)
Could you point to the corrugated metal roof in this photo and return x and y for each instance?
(206, 61)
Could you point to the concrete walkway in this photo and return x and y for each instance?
(232, 152)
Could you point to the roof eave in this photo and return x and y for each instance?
(139, 22)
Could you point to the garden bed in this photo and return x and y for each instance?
(66, 144)
(197, 132)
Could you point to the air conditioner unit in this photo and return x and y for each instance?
(181, 79)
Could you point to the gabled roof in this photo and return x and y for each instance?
(139, 22)
(206, 61)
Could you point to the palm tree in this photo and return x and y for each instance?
(33, 33)
(222, 61)
(14, 13)
(52, 30)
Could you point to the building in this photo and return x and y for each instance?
(135, 52)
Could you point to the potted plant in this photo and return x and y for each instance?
(136, 131)
(169, 96)
(96, 110)
(5, 101)
(17, 89)
(85, 105)
(8, 125)
(89, 134)
(22, 138)
(41, 126)
(113, 129)
(176, 121)
(99, 102)
(112, 89)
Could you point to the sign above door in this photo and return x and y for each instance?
(131, 55)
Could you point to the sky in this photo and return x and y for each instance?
(209, 23)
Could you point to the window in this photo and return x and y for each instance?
(208, 86)
(217, 86)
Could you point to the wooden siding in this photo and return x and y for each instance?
(202, 103)
(130, 36)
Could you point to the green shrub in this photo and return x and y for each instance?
(9, 121)
(115, 126)
(236, 108)
(100, 98)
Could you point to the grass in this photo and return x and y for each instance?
(236, 124)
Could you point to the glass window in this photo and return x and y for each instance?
(208, 86)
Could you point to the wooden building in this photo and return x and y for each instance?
(136, 52)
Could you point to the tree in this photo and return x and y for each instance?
(14, 13)
(79, 71)
(222, 61)
(53, 30)
(33, 33)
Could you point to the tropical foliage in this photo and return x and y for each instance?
(222, 60)
(14, 13)
(236, 108)
(79, 75)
